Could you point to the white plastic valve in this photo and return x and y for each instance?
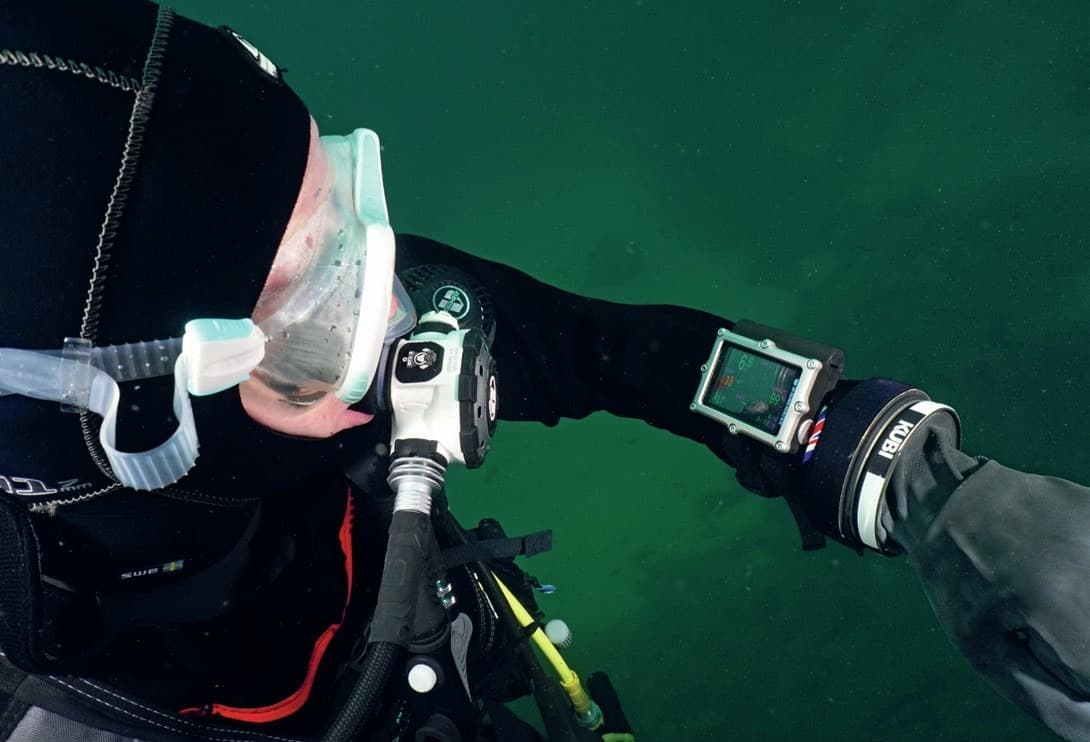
(422, 677)
(559, 633)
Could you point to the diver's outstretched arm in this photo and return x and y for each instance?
(1003, 556)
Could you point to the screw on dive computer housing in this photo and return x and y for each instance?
(766, 384)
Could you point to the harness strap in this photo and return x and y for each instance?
(529, 545)
(12, 710)
(12, 714)
(20, 587)
(67, 708)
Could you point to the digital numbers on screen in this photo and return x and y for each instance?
(752, 388)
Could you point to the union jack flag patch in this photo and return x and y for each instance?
(815, 434)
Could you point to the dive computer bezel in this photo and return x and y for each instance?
(819, 367)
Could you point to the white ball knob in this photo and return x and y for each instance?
(558, 633)
(422, 677)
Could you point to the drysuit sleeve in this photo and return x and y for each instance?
(1004, 558)
(565, 355)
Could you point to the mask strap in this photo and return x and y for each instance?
(214, 355)
(71, 380)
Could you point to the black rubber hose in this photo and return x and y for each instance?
(362, 702)
(391, 624)
(556, 712)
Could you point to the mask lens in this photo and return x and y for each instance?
(325, 330)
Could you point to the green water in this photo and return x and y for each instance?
(907, 180)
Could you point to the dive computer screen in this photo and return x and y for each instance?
(753, 388)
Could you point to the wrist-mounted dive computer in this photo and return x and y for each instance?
(767, 384)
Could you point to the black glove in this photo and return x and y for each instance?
(1004, 558)
(615, 726)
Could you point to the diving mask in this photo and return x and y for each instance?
(331, 304)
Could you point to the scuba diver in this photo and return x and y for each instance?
(229, 394)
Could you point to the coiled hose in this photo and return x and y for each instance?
(392, 622)
(363, 701)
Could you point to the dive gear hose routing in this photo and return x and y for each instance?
(586, 710)
(392, 623)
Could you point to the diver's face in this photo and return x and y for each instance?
(328, 415)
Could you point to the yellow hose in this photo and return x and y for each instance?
(569, 681)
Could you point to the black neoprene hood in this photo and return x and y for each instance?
(217, 169)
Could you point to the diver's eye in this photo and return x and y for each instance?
(291, 394)
(303, 398)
